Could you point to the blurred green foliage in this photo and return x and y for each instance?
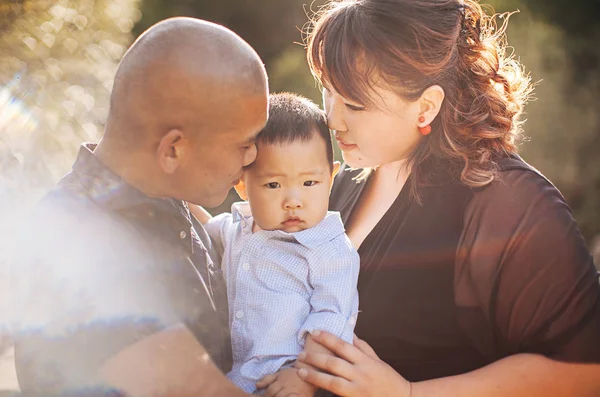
(57, 64)
(558, 42)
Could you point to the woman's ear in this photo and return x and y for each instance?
(170, 151)
(430, 103)
(240, 188)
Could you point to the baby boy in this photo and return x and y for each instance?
(288, 264)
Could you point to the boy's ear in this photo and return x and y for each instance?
(336, 169)
(240, 188)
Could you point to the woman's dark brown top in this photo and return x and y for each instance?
(469, 276)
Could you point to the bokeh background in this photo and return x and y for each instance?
(58, 58)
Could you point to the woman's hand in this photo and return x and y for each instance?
(357, 371)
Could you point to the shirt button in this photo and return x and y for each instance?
(246, 266)
(352, 320)
(183, 234)
(239, 314)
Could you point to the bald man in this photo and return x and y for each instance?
(119, 289)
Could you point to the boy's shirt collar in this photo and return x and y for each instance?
(330, 227)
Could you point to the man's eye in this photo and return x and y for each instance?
(273, 185)
(310, 183)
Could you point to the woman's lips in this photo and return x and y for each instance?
(345, 146)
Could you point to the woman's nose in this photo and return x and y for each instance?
(333, 108)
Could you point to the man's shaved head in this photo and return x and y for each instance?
(188, 100)
(177, 69)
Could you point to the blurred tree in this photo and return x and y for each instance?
(558, 42)
(579, 19)
(57, 62)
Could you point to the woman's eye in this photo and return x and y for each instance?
(310, 183)
(354, 108)
(273, 185)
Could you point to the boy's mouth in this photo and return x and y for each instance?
(292, 221)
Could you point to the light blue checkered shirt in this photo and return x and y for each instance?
(281, 286)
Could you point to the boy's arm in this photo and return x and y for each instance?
(334, 299)
(200, 213)
(286, 382)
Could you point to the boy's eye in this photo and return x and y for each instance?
(273, 185)
(310, 183)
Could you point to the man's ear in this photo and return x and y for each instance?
(240, 188)
(336, 169)
(171, 150)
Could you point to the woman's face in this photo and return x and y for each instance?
(375, 135)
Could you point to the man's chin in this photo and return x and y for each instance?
(216, 200)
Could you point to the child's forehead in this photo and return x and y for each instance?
(291, 158)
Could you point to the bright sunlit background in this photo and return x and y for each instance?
(58, 58)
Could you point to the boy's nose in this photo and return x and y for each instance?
(292, 203)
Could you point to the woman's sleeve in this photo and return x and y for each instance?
(523, 261)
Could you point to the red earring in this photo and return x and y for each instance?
(426, 129)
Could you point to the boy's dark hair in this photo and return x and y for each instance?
(293, 117)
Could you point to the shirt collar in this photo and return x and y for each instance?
(329, 228)
(109, 190)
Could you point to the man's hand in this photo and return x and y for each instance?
(169, 363)
(286, 383)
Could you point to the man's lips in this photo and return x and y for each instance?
(236, 181)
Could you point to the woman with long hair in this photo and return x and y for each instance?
(475, 280)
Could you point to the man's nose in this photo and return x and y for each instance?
(250, 156)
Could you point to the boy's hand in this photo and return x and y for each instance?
(286, 383)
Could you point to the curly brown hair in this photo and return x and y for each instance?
(414, 44)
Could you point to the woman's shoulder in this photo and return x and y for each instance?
(517, 183)
(520, 258)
